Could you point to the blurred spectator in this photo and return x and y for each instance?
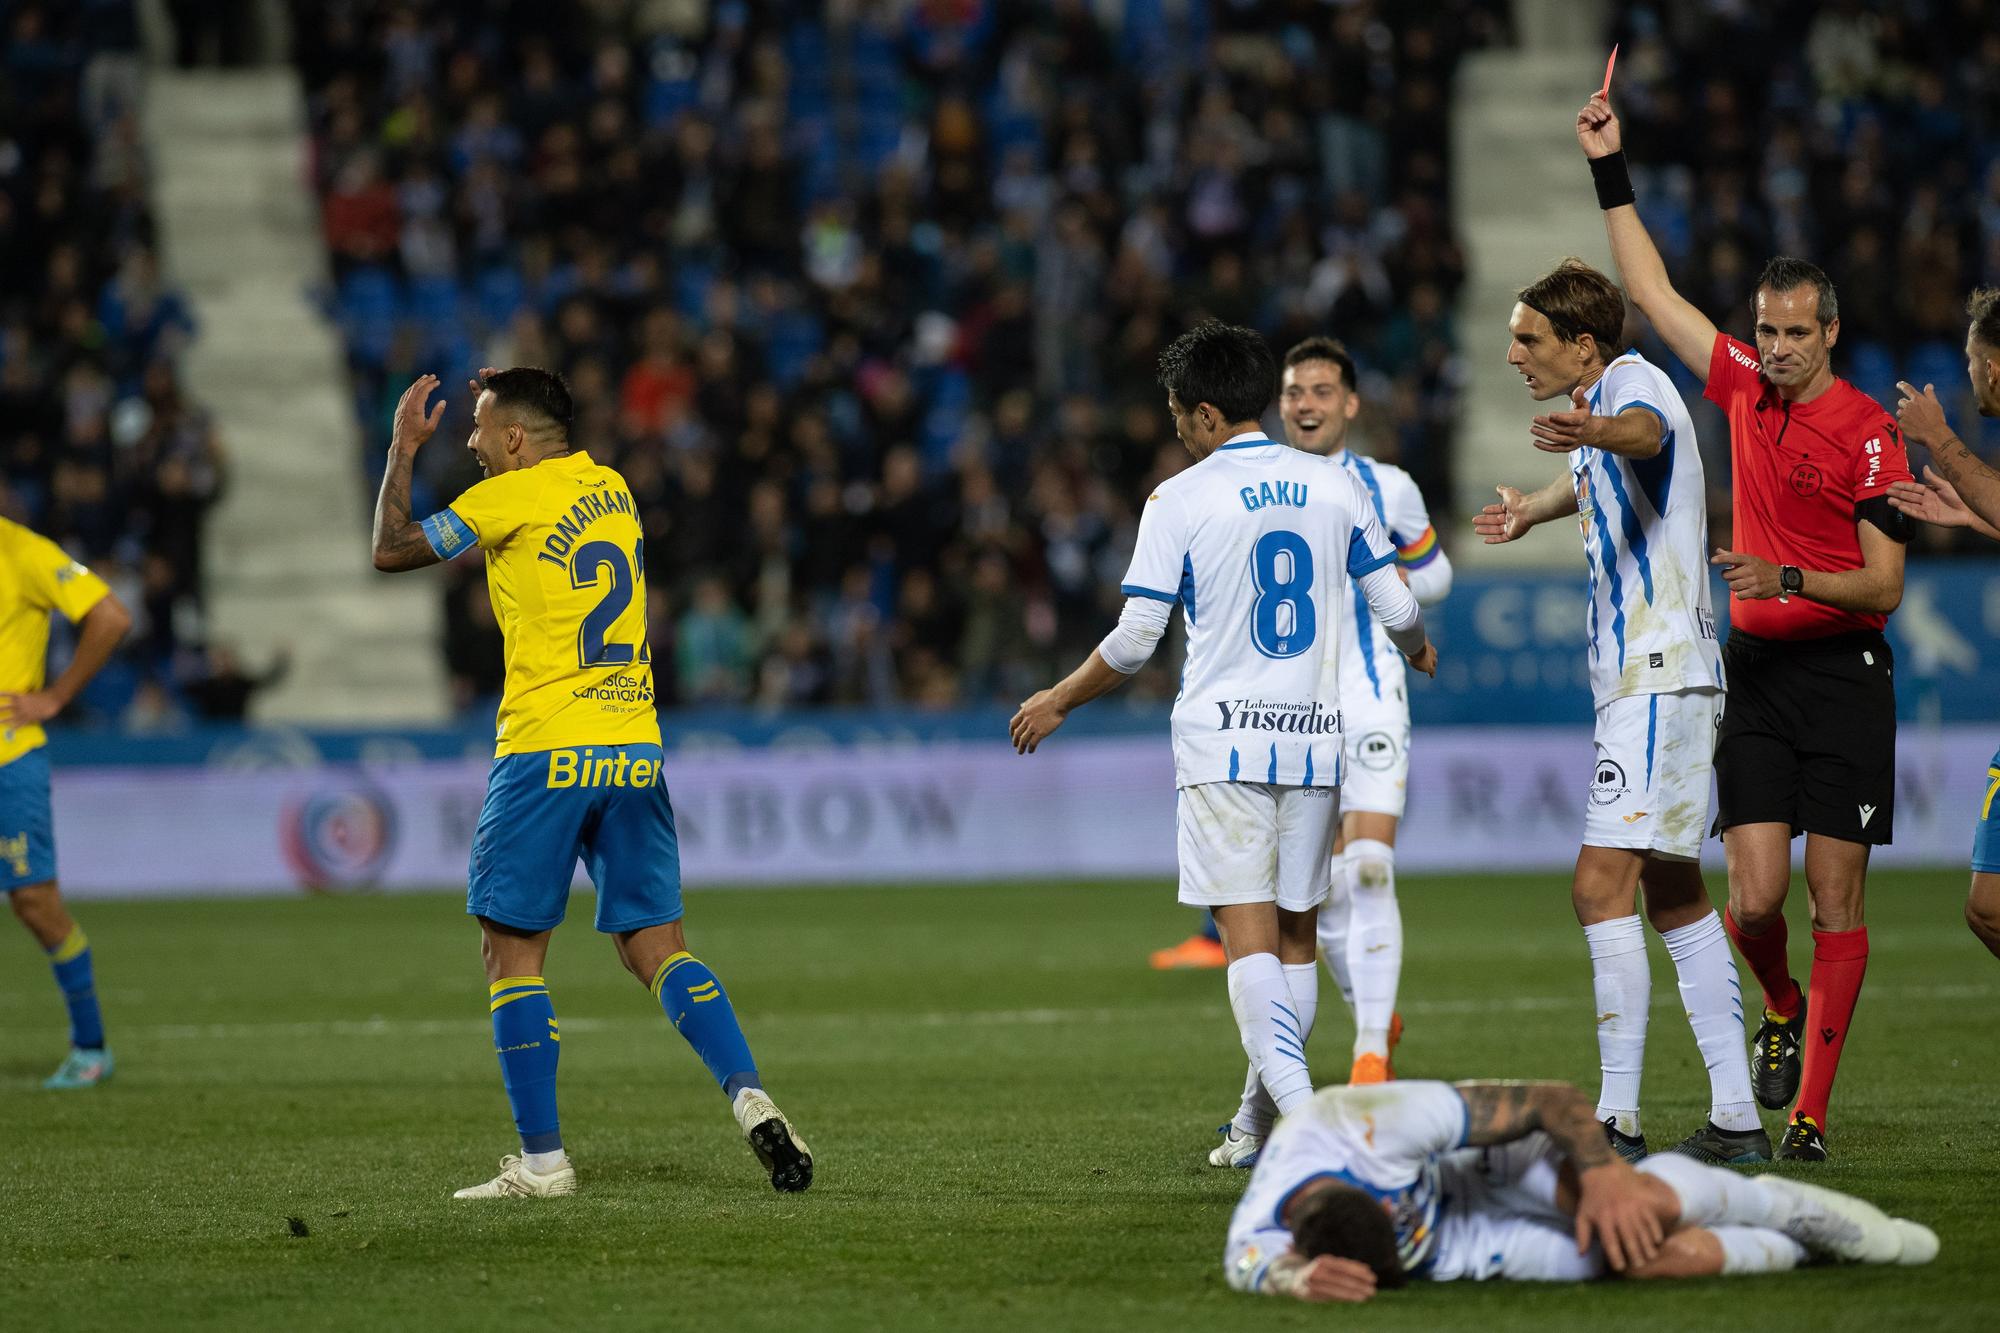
(865, 299)
(99, 446)
(221, 690)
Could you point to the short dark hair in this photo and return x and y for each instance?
(1785, 274)
(1319, 347)
(1984, 308)
(1226, 366)
(532, 392)
(1576, 299)
(1342, 1221)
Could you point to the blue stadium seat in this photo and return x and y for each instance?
(1871, 369)
(366, 305)
(499, 294)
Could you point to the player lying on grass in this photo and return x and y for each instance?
(1367, 1188)
(1260, 545)
(578, 770)
(1962, 490)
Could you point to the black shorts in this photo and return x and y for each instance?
(1808, 736)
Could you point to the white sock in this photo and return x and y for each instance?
(1714, 1196)
(541, 1163)
(1624, 988)
(1257, 1111)
(1333, 922)
(1268, 1022)
(1374, 942)
(1756, 1250)
(1713, 998)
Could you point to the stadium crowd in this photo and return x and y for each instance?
(1858, 135)
(100, 446)
(864, 300)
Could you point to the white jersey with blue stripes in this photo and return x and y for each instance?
(1395, 1141)
(1258, 543)
(1645, 532)
(1371, 670)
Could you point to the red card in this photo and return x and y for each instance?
(1609, 65)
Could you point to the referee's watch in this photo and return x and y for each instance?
(1791, 579)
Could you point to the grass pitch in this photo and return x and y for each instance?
(1009, 1113)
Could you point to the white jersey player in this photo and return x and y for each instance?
(1257, 544)
(1361, 928)
(1635, 484)
(1371, 1187)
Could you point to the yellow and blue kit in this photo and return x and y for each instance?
(577, 767)
(1986, 835)
(37, 579)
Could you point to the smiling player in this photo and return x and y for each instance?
(1635, 483)
(578, 770)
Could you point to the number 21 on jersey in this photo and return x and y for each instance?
(1283, 621)
(594, 562)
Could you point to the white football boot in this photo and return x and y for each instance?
(516, 1181)
(1840, 1226)
(1237, 1149)
(771, 1136)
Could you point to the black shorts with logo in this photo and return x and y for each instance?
(1808, 736)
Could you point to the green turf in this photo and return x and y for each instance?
(1008, 1109)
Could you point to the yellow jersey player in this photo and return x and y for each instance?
(577, 771)
(37, 578)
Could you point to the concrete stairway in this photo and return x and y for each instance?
(1524, 201)
(288, 545)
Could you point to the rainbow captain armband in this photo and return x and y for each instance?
(448, 534)
(1416, 554)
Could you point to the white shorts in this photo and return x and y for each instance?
(1500, 1218)
(1655, 759)
(1251, 842)
(1377, 769)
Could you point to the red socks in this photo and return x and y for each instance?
(1840, 959)
(1766, 955)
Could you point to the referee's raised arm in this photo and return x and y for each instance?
(1685, 329)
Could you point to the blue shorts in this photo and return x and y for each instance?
(1986, 833)
(605, 803)
(27, 828)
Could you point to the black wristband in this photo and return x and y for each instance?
(1613, 181)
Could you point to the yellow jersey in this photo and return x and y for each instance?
(566, 568)
(36, 577)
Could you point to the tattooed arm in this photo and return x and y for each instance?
(1977, 486)
(1614, 1204)
(399, 542)
(1502, 1111)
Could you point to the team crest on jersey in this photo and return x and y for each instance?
(1806, 479)
(1608, 786)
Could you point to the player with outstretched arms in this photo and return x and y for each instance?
(577, 770)
(1635, 483)
(1369, 1188)
(1808, 742)
(38, 579)
(1256, 543)
(1961, 490)
(1361, 925)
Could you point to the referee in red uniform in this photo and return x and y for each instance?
(1808, 737)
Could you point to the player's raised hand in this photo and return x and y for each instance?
(1040, 715)
(478, 386)
(1426, 659)
(1597, 128)
(1750, 578)
(1563, 432)
(1504, 522)
(1616, 1209)
(1920, 416)
(413, 426)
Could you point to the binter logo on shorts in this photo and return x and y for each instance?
(590, 769)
